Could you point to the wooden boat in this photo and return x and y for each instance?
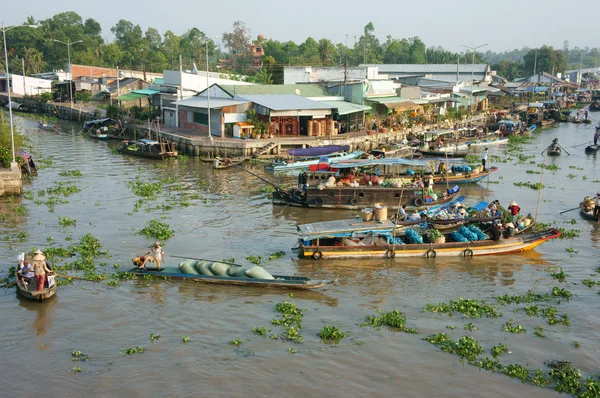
(553, 151)
(104, 129)
(378, 246)
(32, 294)
(299, 165)
(280, 281)
(47, 126)
(28, 165)
(588, 215)
(148, 149)
(353, 198)
(227, 164)
(592, 148)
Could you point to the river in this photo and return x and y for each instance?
(230, 217)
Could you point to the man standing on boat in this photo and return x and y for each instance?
(484, 157)
(596, 135)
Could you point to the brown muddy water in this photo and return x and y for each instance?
(229, 217)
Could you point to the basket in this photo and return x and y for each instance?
(367, 214)
(380, 213)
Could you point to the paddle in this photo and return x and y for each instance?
(566, 211)
(587, 143)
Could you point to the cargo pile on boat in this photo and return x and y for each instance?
(209, 268)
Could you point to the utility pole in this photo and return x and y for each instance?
(24, 87)
(473, 48)
(346, 61)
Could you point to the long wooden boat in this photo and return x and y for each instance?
(592, 148)
(225, 165)
(28, 165)
(299, 165)
(98, 136)
(355, 198)
(587, 215)
(280, 281)
(32, 294)
(150, 149)
(47, 126)
(330, 248)
(553, 151)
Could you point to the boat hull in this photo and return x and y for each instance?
(356, 198)
(587, 216)
(592, 148)
(280, 281)
(517, 244)
(148, 155)
(33, 294)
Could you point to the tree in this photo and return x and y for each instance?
(416, 51)
(238, 44)
(34, 61)
(308, 52)
(395, 51)
(368, 46)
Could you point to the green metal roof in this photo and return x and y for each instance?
(159, 80)
(345, 108)
(146, 91)
(303, 90)
(131, 96)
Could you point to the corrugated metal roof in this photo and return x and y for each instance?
(130, 96)
(283, 102)
(429, 68)
(215, 103)
(345, 108)
(387, 100)
(146, 91)
(303, 90)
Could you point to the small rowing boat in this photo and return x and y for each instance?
(27, 290)
(47, 126)
(227, 163)
(592, 148)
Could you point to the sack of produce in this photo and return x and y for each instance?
(413, 236)
(204, 267)
(477, 231)
(458, 237)
(187, 267)
(464, 231)
(220, 269)
(257, 272)
(237, 271)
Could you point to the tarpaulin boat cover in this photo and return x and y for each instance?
(318, 150)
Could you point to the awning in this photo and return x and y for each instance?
(403, 106)
(345, 108)
(130, 96)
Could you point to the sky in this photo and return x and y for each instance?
(503, 26)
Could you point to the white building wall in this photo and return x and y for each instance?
(29, 85)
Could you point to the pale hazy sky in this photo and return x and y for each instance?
(503, 25)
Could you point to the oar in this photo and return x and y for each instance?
(587, 143)
(575, 208)
(204, 259)
(563, 149)
(9, 284)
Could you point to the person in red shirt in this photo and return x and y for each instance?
(514, 210)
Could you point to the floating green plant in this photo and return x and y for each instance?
(513, 328)
(331, 334)
(276, 255)
(157, 229)
(66, 221)
(499, 350)
(394, 319)
(589, 282)
(236, 342)
(470, 327)
(465, 347)
(471, 308)
(70, 173)
(256, 260)
(261, 330)
(79, 356)
(154, 336)
(185, 339)
(21, 210)
(132, 351)
(292, 350)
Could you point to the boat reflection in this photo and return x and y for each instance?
(44, 313)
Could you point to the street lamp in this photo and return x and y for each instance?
(13, 164)
(473, 48)
(208, 86)
(68, 44)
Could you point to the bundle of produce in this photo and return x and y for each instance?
(477, 231)
(588, 204)
(461, 168)
(464, 231)
(458, 237)
(187, 267)
(413, 236)
(391, 240)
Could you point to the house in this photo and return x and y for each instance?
(444, 72)
(79, 71)
(178, 85)
(25, 85)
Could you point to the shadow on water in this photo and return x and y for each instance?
(45, 312)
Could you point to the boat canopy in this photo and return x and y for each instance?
(346, 164)
(509, 122)
(344, 228)
(317, 151)
(99, 122)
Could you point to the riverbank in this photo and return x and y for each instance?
(193, 143)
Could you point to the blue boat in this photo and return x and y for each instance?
(317, 151)
(302, 165)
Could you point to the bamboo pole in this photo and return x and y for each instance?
(537, 209)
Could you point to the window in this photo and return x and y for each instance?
(258, 49)
(168, 103)
(201, 118)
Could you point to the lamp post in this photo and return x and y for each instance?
(473, 48)
(13, 164)
(68, 44)
(208, 86)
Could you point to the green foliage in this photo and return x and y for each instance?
(132, 351)
(394, 319)
(79, 356)
(66, 221)
(471, 308)
(157, 229)
(236, 342)
(331, 334)
(510, 327)
(261, 330)
(154, 336)
(256, 260)
(516, 371)
(465, 347)
(276, 255)
(185, 339)
(498, 350)
(6, 142)
(470, 327)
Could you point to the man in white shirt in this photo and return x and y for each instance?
(484, 157)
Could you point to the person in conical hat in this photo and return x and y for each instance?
(40, 269)
(38, 251)
(514, 210)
